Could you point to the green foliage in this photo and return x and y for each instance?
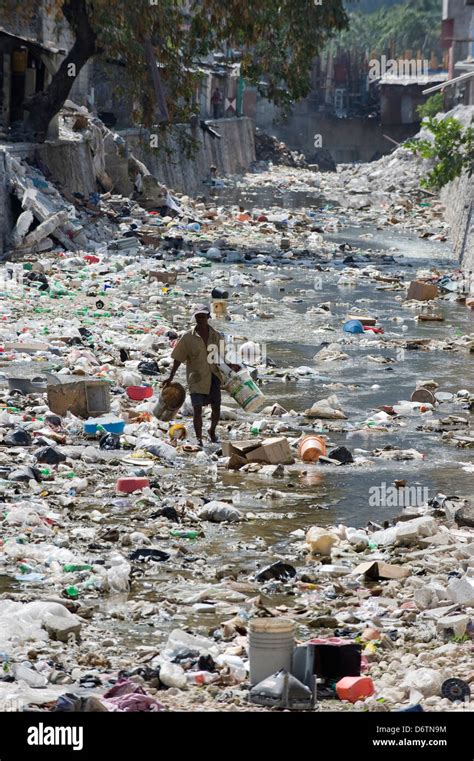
(278, 40)
(433, 105)
(452, 149)
(410, 25)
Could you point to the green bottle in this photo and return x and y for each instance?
(72, 592)
(184, 533)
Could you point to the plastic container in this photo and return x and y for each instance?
(182, 533)
(173, 675)
(111, 425)
(245, 391)
(353, 326)
(201, 677)
(311, 448)
(170, 401)
(219, 293)
(139, 393)
(271, 646)
(28, 385)
(354, 688)
(424, 396)
(219, 308)
(129, 485)
(177, 431)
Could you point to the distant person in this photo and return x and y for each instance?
(216, 101)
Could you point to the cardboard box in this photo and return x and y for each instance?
(84, 397)
(365, 319)
(422, 291)
(169, 278)
(272, 452)
(377, 570)
(269, 451)
(236, 462)
(239, 447)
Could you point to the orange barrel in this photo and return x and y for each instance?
(311, 448)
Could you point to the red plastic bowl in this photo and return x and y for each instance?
(139, 393)
(129, 485)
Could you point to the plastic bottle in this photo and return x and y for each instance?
(236, 666)
(172, 675)
(184, 534)
(258, 426)
(118, 577)
(70, 567)
(71, 592)
(200, 677)
(25, 674)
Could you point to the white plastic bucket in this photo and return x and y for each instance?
(271, 646)
(245, 391)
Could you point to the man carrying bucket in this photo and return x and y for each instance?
(196, 349)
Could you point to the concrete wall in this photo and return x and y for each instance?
(70, 165)
(463, 19)
(233, 153)
(4, 205)
(347, 139)
(458, 198)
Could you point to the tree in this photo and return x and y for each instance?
(410, 25)
(278, 40)
(451, 148)
(432, 106)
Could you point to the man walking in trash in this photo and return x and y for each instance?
(196, 348)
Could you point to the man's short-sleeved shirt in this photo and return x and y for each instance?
(192, 350)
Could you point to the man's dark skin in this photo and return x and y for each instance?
(202, 321)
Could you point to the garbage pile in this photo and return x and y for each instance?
(269, 148)
(143, 573)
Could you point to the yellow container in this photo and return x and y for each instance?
(219, 308)
(177, 431)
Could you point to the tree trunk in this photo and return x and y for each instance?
(43, 106)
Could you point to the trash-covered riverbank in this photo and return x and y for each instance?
(144, 600)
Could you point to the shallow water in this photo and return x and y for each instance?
(317, 494)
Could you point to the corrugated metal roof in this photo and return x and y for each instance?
(31, 41)
(404, 81)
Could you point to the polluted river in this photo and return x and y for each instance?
(106, 594)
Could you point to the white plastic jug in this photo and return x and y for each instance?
(245, 391)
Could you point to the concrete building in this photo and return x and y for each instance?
(401, 95)
(458, 39)
(26, 67)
